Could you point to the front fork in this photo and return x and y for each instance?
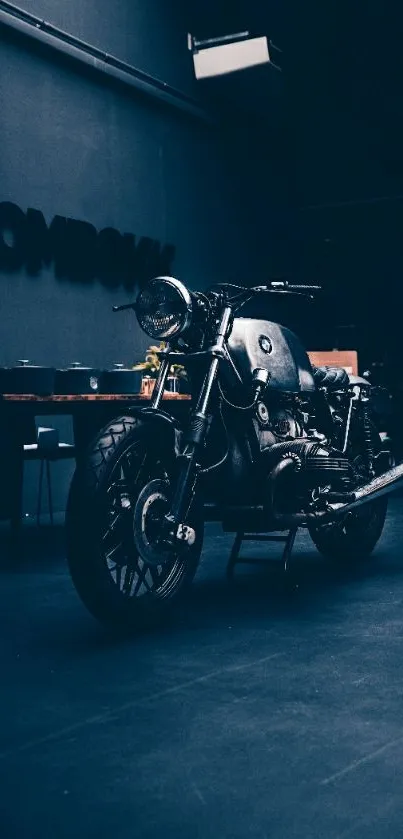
(195, 435)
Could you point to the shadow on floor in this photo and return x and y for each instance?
(37, 548)
(259, 709)
(257, 597)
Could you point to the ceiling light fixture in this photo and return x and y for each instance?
(229, 54)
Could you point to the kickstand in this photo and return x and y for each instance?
(241, 536)
(234, 555)
(289, 544)
(290, 584)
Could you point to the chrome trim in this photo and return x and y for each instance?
(356, 381)
(159, 386)
(380, 485)
(383, 484)
(348, 423)
(185, 294)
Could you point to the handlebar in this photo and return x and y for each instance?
(244, 294)
(125, 306)
(274, 287)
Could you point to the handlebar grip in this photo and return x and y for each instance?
(283, 284)
(306, 287)
(125, 306)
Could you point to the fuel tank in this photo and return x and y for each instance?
(262, 343)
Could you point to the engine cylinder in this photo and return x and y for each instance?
(315, 466)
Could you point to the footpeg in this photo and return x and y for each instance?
(186, 534)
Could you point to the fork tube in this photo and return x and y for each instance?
(195, 437)
(159, 386)
(205, 393)
(204, 396)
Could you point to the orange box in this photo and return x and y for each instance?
(336, 358)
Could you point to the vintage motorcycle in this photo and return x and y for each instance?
(268, 444)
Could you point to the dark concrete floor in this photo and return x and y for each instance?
(255, 713)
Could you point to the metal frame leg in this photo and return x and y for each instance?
(17, 484)
(45, 464)
(50, 498)
(233, 557)
(40, 486)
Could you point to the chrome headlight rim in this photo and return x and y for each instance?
(186, 298)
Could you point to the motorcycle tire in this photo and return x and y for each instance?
(115, 584)
(353, 540)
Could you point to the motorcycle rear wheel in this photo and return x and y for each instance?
(115, 584)
(352, 540)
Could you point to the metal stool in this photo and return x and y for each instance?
(46, 449)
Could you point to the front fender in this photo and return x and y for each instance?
(163, 429)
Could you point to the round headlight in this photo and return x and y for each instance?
(164, 308)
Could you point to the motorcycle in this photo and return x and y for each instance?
(269, 444)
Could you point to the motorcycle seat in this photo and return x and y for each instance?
(330, 377)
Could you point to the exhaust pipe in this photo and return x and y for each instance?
(381, 485)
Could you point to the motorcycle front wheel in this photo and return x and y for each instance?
(115, 583)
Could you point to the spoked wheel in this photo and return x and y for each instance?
(121, 569)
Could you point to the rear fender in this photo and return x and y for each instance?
(163, 430)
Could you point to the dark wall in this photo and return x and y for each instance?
(151, 35)
(80, 146)
(344, 69)
(344, 74)
(341, 160)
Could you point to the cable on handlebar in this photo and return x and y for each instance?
(220, 286)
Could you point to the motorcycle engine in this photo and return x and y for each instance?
(316, 464)
(275, 426)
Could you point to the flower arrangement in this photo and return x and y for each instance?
(150, 366)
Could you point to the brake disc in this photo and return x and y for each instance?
(150, 509)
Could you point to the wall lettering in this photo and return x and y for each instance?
(77, 250)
